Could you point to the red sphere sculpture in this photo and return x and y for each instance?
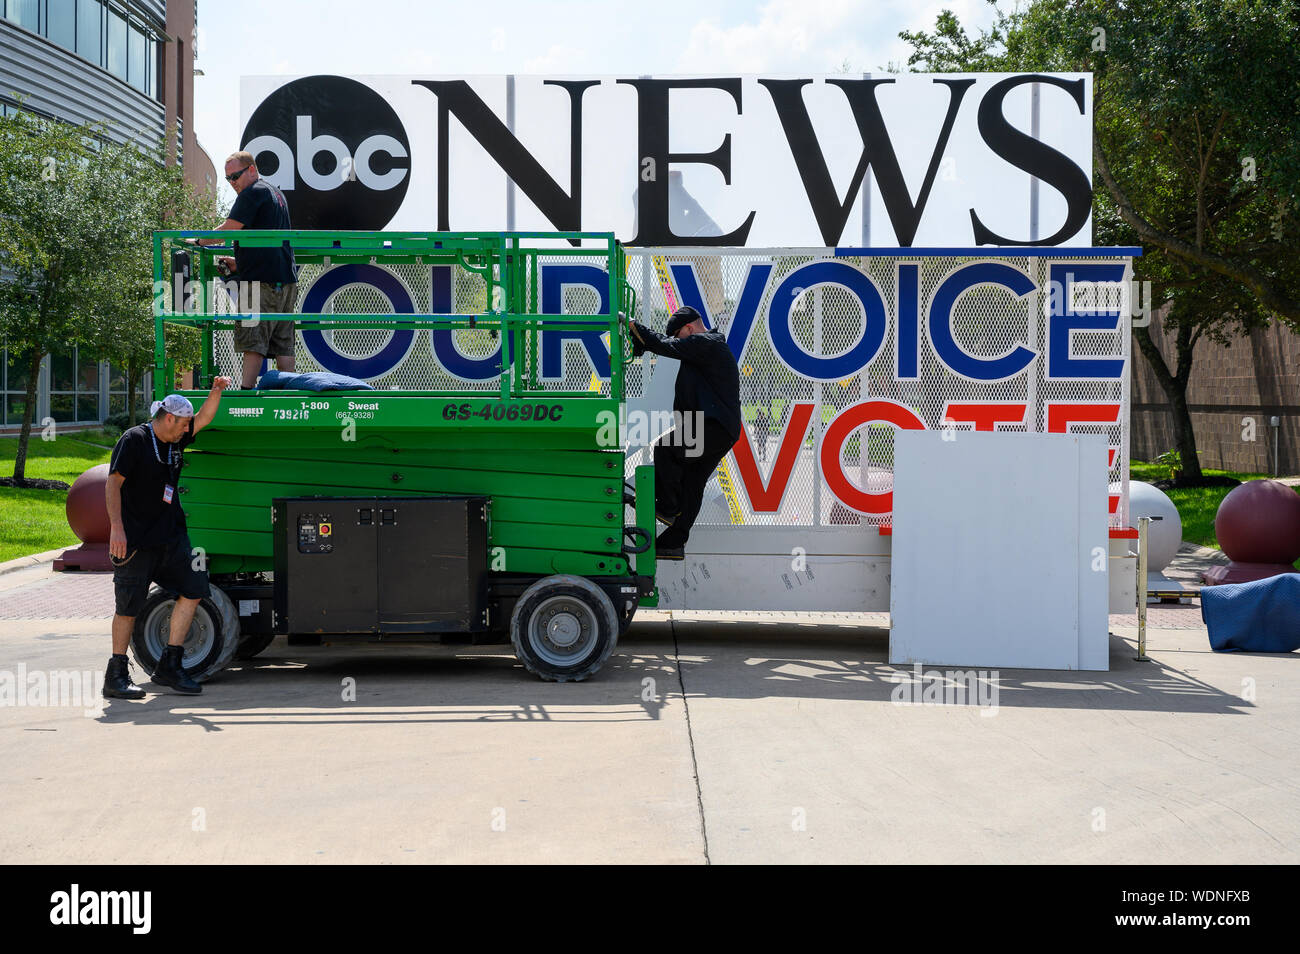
(86, 507)
(87, 512)
(1258, 526)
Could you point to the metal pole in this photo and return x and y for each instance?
(1275, 423)
(510, 183)
(1034, 131)
(1143, 523)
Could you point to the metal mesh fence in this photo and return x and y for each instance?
(411, 359)
(828, 320)
(739, 287)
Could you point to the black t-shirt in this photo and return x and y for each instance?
(149, 466)
(262, 206)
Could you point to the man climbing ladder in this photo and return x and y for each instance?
(708, 385)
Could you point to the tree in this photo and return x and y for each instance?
(77, 213)
(159, 198)
(1196, 148)
(48, 244)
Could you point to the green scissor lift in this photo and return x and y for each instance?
(566, 563)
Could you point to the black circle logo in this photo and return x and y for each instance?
(335, 148)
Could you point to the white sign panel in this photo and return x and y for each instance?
(1000, 551)
(915, 160)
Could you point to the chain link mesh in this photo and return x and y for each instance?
(419, 369)
(827, 320)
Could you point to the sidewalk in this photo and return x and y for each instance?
(723, 738)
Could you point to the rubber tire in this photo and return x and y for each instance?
(250, 646)
(219, 609)
(593, 598)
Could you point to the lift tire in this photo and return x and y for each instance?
(563, 628)
(210, 645)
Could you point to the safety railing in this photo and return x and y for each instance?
(193, 289)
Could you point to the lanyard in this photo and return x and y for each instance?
(171, 450)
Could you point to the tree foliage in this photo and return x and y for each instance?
(1196, 147)
(77, 213)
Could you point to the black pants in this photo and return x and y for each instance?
(680, 478)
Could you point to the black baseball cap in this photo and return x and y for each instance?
(681, 317)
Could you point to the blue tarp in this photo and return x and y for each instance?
(1262, 616)
(276, 380)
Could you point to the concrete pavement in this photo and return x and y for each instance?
(740, 738)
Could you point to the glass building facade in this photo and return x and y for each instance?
(106, 35)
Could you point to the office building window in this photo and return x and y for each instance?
(117, 393)
(61, 23)
(136, 59)
(90, 31)
(13, 369)
(26, 13)
(74, 388)
(116, 45)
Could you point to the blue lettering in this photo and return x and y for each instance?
(387, 284)
(444, 341)
(742, 318)
(1064, 320)
(959, 361)
(817, 367)
(909, 314)
(554, 280)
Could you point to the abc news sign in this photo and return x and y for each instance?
(902, 160)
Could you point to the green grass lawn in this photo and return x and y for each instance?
(1196, 505)
(32, 521)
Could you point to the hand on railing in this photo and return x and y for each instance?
(630, 336)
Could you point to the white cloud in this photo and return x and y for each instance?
(817, 35)
(781, 37)
(557, 59)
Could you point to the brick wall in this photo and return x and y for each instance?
(1257, 376)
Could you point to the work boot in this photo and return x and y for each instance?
(117, 680)
(171, 673)
(668, 551)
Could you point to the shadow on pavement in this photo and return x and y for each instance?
(365, 683)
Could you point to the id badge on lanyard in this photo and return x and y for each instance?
(172, 465)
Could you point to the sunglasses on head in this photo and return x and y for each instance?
(235, 175)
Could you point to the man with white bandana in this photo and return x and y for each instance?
(148, 539)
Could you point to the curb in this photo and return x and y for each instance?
(35, 559)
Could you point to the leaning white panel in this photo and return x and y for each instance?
(1000, 550)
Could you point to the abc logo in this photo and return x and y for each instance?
(336, 150)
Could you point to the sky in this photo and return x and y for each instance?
(239, 38)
